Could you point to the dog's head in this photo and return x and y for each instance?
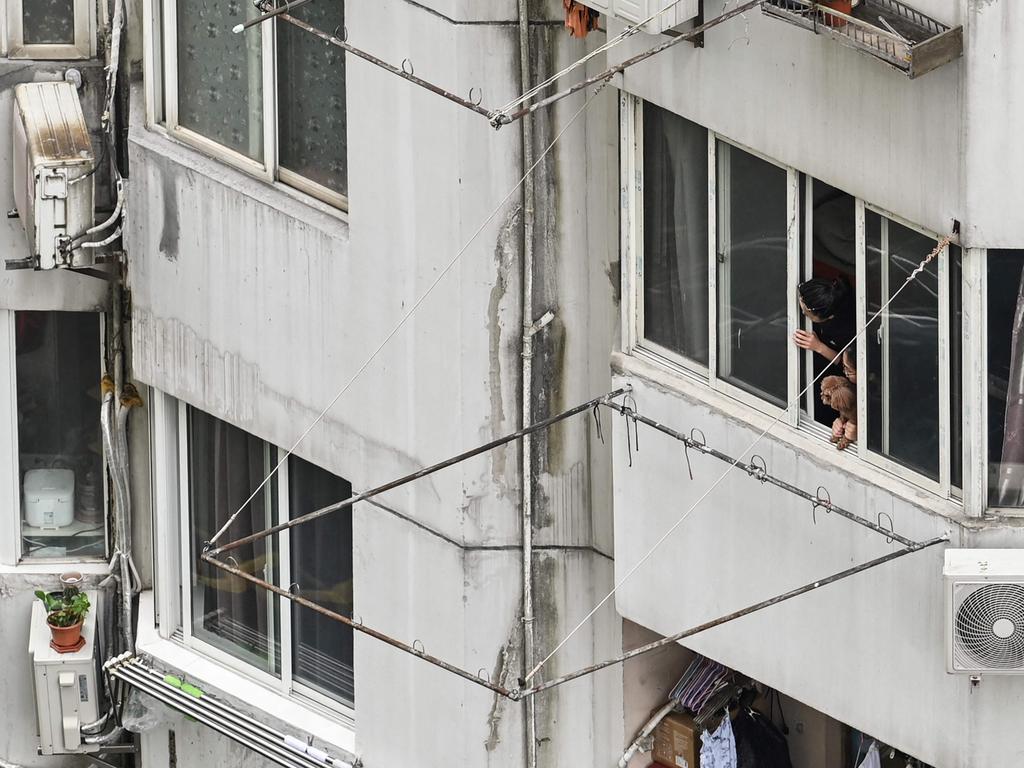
(829, 386)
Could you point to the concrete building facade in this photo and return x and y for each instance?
(334, 277)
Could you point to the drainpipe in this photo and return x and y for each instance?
(529, 329)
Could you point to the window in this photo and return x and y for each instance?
(224, 90)
(60, 448)
(721, 236)
(1005, 320)
(297, 649)
(721, 312)
(752, 259)
(49, 29)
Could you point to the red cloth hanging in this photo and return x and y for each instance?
(579, 19)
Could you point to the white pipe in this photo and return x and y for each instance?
(646, 731)
(526, 459)
(105, 241)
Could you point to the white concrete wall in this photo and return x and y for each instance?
(931, 150)
(868, 651)
(256, 305)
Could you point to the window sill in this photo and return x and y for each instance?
(336, 736)
(638, 365)
(56, 567)
(291, 202)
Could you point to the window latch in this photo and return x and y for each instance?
(721, 257)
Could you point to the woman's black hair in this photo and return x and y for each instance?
(822, 297)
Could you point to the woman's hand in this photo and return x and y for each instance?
(808, 340)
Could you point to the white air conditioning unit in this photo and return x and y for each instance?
(634, 11)
(984, 611)
(53, 173)
(66, 684)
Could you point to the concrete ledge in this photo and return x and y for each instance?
(291, 203)
(248, 694)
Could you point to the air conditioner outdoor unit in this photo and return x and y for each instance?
(53, 173)
(633, 11)
(984, 611)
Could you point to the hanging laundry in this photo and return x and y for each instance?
(759, 744)
(718, 749)
(872, 759)
(579, 19)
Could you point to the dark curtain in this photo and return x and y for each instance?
(1010, 483)
(675, 233)
(225, 465)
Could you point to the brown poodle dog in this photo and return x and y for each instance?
(838, 393)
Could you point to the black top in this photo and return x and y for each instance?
(840, 329)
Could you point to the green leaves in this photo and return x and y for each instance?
(64, 609)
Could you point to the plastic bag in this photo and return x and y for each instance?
(143, 713)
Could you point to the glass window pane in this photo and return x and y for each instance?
(225, 464)
(48, 22)
(1005, 322)
(675, 259)
(321, 557)
(60, 450)
(311, 98)
(752, 322)
(220, 77)
(903, 347)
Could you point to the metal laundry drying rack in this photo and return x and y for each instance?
(756, 469)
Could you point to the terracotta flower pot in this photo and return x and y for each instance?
(843, 6)
(66, 639)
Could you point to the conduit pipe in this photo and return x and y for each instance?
(529, 329)
(645, 732)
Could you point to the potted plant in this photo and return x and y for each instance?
(64, 613)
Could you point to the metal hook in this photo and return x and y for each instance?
(760, 471)
(294, 588)
(702, 443)
(344, 33)
(232, 560)
(479, 96)
(629, 413)
(410, 70)
(357, 619)
(420, 650)
(483, 674)
(597, 423)
(686, 453)
(823, 499)
(891, 527)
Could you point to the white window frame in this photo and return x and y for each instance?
(172, 545)
(84, 46)
(162, 90)
(11, 544)
(633, 238)
(942, 486)
(974, 461)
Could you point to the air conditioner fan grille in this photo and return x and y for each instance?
(989, 627)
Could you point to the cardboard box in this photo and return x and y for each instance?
(677, 742)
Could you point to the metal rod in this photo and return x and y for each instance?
(501, 119)
(758, 472)
(810, 587)
(357, 626)
(416, 475)
(334, 40)
(271, 14)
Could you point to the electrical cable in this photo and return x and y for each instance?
(942, 244)
(411, 311)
